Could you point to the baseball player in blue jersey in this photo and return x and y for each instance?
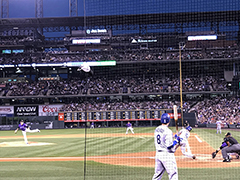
(22, 126)
(165, 148)
(129, 127)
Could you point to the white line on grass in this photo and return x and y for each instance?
(199, 140)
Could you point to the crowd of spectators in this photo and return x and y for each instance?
(70, 87)
(147, 105)
(224, 53)
(186, 55)
(154, 54)
(117, 85)
(27, 88)
(224, 109)
(15, 40)
(191, 54)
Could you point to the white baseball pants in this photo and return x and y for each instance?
(29, 131)
(131, 129)
(185, 146)
(165, 161)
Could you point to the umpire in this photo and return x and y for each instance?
(231, 145)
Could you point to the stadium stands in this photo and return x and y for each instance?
(152, 54)
(121, 85)
(212, 110)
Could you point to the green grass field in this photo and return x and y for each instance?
(74, 146)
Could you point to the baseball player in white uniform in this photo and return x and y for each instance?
(22, 126)
(92, 125)
(184, 135)
(165, 148)
(129, 127)
(219, 126)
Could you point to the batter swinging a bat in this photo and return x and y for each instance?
(22, 126)
(184, 135)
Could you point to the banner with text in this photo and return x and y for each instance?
(49, 110)
(25, 110)
(6, 110)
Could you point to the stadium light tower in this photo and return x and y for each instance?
(38, 8)
(73, 8)
(4, 9)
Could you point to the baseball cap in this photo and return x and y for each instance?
(227, 134)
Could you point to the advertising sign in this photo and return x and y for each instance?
(25, 110)
(6, 110)
(202, 38)
(49, 110)
(61, 116)
(86, 41)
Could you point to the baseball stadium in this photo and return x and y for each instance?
(121, 89)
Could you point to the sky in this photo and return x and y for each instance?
(60, 8)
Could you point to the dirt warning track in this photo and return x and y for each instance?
(141, 159)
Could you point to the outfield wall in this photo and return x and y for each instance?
(40, 122)
(53, 122)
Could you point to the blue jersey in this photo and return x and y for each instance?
(23, 126)
(129, 125)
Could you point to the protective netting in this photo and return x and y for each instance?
(145, 57)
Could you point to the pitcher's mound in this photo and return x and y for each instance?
(22, 144)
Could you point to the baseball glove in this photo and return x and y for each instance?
(214, 155)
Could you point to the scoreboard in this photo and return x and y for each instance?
(110, 115)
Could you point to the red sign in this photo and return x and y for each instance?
(172, 116)
(49, 110)
(61, 116)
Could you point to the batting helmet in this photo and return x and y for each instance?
(165, 118)
(22, 120)
(189, 128)
(227, 134)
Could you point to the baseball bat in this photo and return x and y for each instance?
(175, 114)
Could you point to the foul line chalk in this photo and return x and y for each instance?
(199, 140)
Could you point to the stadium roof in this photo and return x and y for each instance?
(141, 19)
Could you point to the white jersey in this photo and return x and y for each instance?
(164, 159)
(219, 123)
(162, 138)
(184, 134)
(185, 148)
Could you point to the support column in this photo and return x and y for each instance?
(39, 13)
(38, 8)
(4, 9)
(73, 8)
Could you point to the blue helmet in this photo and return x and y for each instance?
(165, 118)
(189, 128)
